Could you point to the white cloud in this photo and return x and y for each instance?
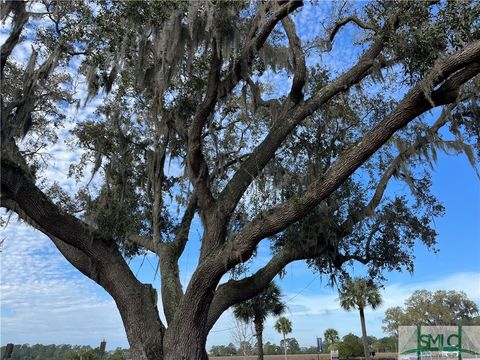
(393, 295)
(45, 300)
(314, 311)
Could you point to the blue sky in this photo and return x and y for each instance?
(45, 300)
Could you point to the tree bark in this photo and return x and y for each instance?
(364, 334)
(259, 335)
(142, 325)
(285, 346)
(96, 257)
(186, 336)
(189, 344)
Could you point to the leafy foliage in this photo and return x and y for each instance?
(222, 350)
(330, 336)
(358, 294)
(425, 307)
(63, 352)
(283, 326)
(259, 307)
(186, 122)
(350, 346)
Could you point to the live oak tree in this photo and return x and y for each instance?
(190, 125)
(431, 308)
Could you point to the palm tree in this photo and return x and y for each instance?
(284, 327)
(331, 336)
(358, 294)
(258, 308)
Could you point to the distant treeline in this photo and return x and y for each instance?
(349, 346)
(63, 352)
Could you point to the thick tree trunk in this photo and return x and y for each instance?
(142, 325)
(185, 344)
(259, 335)
(364, 335)
(285, 346)
(186, 336)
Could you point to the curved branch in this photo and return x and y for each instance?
(235, 291)
(76, 257)
(341, 23)
(300, 75)
(169, 253)
(20, 188)
(196, 159)
(255, 43)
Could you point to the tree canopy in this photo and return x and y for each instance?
(423, 307)
(358, 294)
(171, 114)
(330, 336)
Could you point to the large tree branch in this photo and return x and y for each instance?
(368, 210)
(197, 163)
(453, 71)
(169, 253)
(97, 258)
(235, 291)
(76, 257)
(251, 167)
(19, 21)
(20, 188)
(172, 292)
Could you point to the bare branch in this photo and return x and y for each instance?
(341, 23)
